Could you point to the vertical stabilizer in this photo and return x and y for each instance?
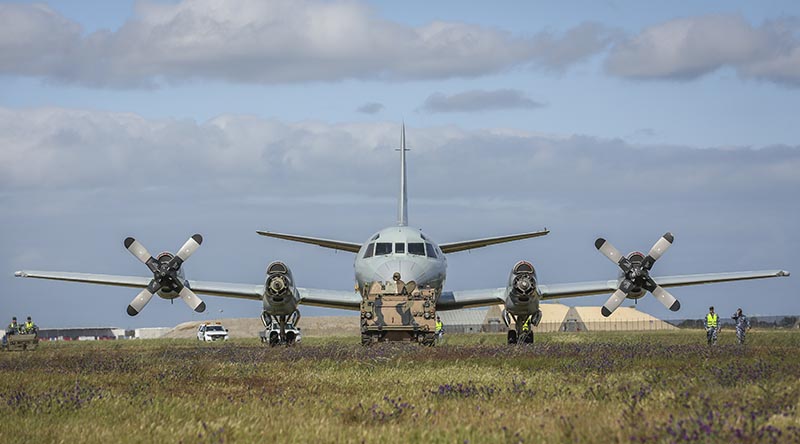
(402, 206)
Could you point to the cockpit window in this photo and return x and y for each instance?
(399, 248)
(370, 249)
(417, 248)
(383, 248)
(376, 237)
(431, 250)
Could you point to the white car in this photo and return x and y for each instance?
(212, 332)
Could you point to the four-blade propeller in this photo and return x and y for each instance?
(166, 274)
(636, 274)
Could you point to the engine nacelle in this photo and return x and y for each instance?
(522, 296)
(169, 290)
(280, 294)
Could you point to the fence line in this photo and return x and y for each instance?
(569, 325)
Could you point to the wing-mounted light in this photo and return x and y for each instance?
(636, 274)
(168, 277)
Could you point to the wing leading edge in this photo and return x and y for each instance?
(454, 300)
(348, 300)
(558, 291)
(243, 291)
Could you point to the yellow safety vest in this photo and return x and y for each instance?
(29, 326)
(439, 326)
(526, 326)
(711, 320)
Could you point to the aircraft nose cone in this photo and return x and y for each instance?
(409, 271)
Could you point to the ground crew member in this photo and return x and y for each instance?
(712, 326)
(526, 330)
(13, 327)
(742, 325)
(439, 328)
(29, 326)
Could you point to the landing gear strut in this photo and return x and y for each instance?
(523, 325)
(280, 336)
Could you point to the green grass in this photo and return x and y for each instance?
(583, 387)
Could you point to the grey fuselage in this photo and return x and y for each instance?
(404, 250)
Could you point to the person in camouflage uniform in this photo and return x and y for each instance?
(742, 325)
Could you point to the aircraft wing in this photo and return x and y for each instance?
(327, 243)
(244, 291)
(558, 291)
(454, 300)
(478, 243)
(347, 300)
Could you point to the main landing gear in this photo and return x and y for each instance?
(522, 333)
(275, 328)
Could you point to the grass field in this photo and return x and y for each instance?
(585, 387)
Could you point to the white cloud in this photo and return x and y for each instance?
(276, 41)
(691, 47)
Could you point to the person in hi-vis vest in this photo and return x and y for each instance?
(712, 326)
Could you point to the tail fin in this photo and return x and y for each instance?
(402, 207)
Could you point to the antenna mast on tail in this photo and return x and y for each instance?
(402, 207)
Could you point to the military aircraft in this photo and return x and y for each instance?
(402, 252)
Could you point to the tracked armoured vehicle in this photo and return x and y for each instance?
(20, 341)
(398, 311)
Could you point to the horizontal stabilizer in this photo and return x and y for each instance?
(479, 243)
(327, 243)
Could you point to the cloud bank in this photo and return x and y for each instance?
(688, 48)
(53, 148)
(282, 41)
(266, 42)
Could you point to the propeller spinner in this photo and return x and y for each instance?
(636, 274)
(165, 274)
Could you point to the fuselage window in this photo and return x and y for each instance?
(431, 250)
(417, 248)
(383, 248)
(399, 248)
(368, 253)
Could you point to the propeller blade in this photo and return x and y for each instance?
(613, 303)
(659, 248)
(192, 300)
(666, 298)
(612, 253)
(138, 303)
(190, 247)
(138, 250)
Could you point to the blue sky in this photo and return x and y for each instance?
(621, 119)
